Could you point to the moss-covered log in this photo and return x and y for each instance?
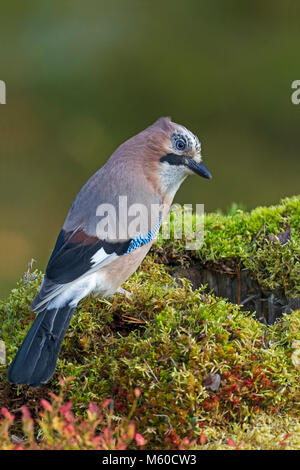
(250, 258)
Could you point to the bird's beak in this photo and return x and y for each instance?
(199, 168)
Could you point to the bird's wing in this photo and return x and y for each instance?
(77, 254)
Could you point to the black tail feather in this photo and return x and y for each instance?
(36, 358)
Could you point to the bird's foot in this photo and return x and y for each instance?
(125, 292)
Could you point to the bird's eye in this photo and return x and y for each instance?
(180, 144)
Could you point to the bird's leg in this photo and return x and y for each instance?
(124, 292)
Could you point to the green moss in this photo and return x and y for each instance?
(171, 342)
(265, 432)
(249, 239)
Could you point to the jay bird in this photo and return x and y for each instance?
(148, 169)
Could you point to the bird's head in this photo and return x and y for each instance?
(178, 153)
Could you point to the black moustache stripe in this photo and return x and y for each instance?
(173, 159)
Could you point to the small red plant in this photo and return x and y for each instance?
(61, 429)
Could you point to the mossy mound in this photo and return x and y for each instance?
(266, 241)
(207, 371)
(250, 258)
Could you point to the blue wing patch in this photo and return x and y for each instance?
(141, 240)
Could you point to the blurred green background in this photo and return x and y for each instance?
(82, 77)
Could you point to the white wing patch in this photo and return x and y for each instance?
(99, 256)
